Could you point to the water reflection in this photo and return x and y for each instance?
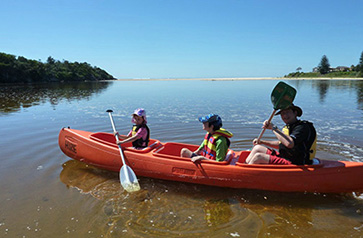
(162, 208)
(173, 209)
(217, 211)
(13, 98)
(360, 96)
(89, 202)
(324, 86)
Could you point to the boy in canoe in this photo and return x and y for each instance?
(216, 141)
(296, 142)
(139, 134)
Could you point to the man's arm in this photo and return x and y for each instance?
(286, 140)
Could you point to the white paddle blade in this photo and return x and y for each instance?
(128, 179)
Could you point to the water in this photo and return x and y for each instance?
(46, 194)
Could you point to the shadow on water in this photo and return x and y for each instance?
(167, 208)
(15, 97)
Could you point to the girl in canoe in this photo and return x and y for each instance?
(139, 134)
(216, 141)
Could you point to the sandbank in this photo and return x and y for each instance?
(234, 79)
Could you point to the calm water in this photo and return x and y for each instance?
(46, 194)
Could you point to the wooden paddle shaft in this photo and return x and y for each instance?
(264, 129)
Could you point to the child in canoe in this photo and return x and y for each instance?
(216, 141)
(139, 134)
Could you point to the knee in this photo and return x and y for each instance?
(259, 158)
(185, 152)
(259, 149)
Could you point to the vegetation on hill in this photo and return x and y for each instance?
(22, 70)
(323, 70)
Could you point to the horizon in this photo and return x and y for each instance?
(186, 39)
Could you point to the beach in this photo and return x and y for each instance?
(234, 79)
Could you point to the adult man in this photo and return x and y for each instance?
(296, 142)
(216, 141)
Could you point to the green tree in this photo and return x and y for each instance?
(50, 60)
(22, 70)
(7, 70)
(324, 65)
(360, 65)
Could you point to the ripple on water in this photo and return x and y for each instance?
(161, 212)
(159, 209)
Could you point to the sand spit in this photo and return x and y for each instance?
(233, 79)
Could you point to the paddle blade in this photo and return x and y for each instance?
(128, 179)
(282, 96)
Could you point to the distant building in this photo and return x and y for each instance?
(337, 69)
(342, 69)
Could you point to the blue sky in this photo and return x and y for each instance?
(186, 38)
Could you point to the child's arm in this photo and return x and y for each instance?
(128, 139)
(132, 138)
(120, 136)
(199, 150)
(197, 158)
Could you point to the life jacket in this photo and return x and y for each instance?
(309, 145)
(209, 150)
(140, 143)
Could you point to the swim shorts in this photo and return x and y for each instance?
(276, 159)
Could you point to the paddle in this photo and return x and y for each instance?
(282, 97)
(127, 176)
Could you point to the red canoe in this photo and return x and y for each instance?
(162, 161)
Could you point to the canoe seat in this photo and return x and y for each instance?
(171, 150)
(152, 145)
(109, 139)
(244, 154)
(229, 156)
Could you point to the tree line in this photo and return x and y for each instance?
(22, 70)
(324, 69)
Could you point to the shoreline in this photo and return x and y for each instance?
(233, 79)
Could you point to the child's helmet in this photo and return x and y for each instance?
(213, 119)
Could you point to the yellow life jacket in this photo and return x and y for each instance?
(311, 141)
(140, 143)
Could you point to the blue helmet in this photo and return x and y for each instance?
(213, 119)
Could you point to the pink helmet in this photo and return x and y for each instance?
(141, 113)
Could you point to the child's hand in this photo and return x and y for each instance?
(197, 152)
(197, 158)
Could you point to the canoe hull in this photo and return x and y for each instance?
(162, 161)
